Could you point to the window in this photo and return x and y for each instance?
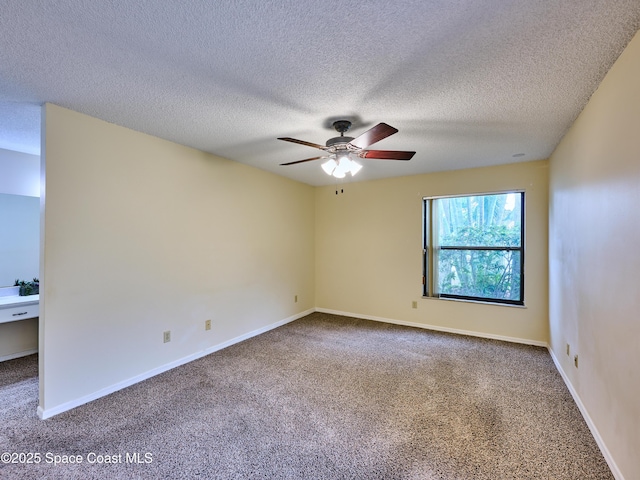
(474, 248)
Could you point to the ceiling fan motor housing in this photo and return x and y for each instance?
(338, 142)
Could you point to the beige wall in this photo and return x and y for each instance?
(141, 236)
(369, 251)
(594, 262)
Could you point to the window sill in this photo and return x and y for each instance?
(497, 304)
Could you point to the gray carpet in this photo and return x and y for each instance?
(323, 397)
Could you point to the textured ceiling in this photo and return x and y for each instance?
(467, 82)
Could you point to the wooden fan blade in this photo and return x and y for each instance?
(302, 142)
(386, 154)
(373, 135)
(302, 161)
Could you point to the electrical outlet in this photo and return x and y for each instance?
(167, 336)
(207, 324)
(414, 304)
(575, 360)
(568, 349)
(295, 299)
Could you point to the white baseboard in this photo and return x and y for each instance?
(585, 414)
(438, 328)
(18, 354)
(50, 412)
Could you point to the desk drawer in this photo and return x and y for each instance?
(19, 312)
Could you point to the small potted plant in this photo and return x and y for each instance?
(28, 288)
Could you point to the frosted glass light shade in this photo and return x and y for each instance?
(344, 165)
(355, 168)
(329, 166)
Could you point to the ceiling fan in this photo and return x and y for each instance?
(340, 149)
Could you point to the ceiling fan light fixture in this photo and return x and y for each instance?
(341, 165)
(343, 156)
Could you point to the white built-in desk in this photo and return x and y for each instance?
(13, 308)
